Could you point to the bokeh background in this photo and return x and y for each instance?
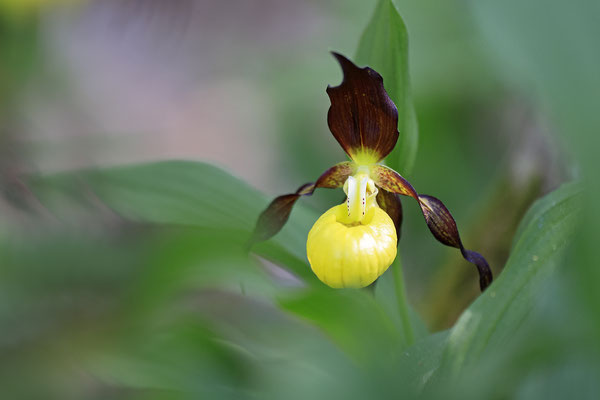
(97, 303)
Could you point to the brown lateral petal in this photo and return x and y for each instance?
(439, 220)
(442, 225)
(390, 203)
(362, 117)
(274, 217)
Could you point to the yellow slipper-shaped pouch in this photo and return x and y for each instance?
(352, 244)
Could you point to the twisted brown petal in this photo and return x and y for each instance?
(362, 117)
(442, 225)
(439, 220)
(390, 203)
(274, 217)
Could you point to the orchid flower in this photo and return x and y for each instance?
(354, 243)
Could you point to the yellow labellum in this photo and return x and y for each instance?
(345, 253)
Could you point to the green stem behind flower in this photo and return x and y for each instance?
(402, 301)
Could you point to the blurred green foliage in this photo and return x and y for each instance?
(135, 282)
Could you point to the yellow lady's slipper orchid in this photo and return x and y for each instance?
(352, 244)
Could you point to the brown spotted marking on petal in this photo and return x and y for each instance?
(274, 217)
(335, 176)
(392, 181)
(362, 117)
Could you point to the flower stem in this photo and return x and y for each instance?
(402, 301)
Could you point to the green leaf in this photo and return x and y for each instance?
(353, 319)
(184, 193)
(178, 192)
(500, 311)
(421, 360)
(384, 47)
